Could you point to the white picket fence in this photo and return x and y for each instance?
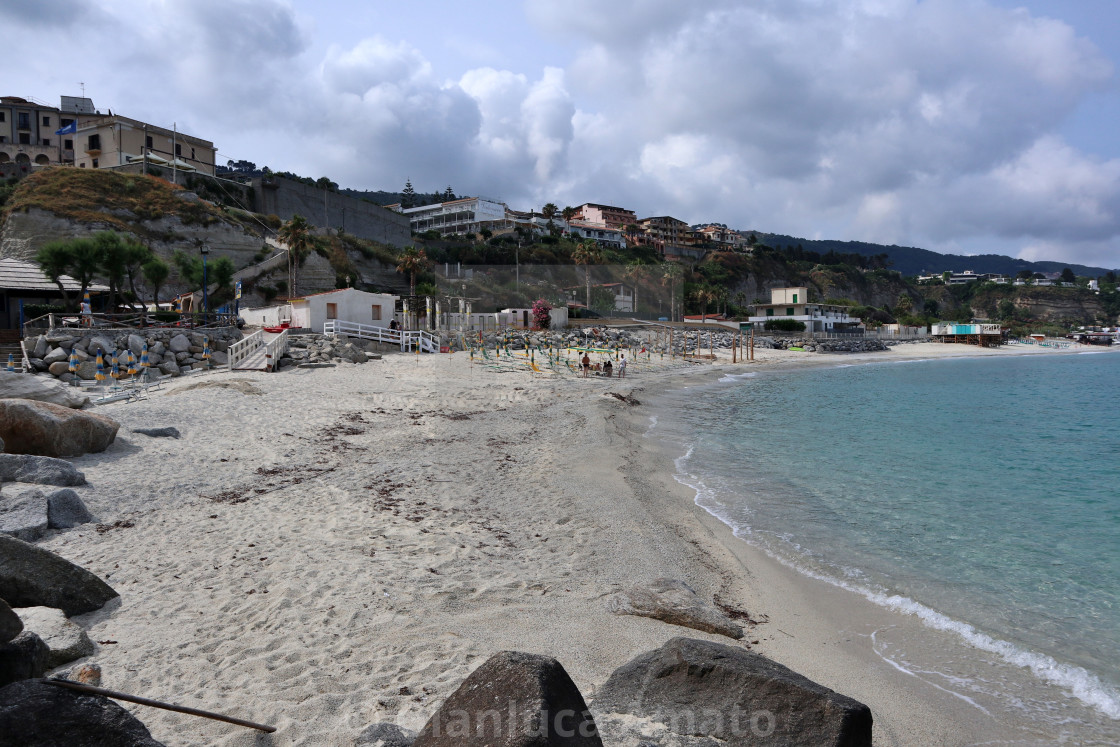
(407, 339)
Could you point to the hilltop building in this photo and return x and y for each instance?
(465, 216)
(605, 215)
(793, 303)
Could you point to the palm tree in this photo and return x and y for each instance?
(412, 261)
(635, 272)
(549, 212)
(587, 253)
(670, 274)
(296, 234)
(568, 213)
(704, 296)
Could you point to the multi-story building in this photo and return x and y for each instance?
(465, 216)
(605, 235)
(716, 233)
(793, 303)
(108, 141)
(34, 133)
(27, 134)
(605, 215)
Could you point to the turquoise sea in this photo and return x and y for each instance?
(980, 494)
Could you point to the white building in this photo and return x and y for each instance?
(465, 216)
(347, 305)
(793, 303)
(604, 235)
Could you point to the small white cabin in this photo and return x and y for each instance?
(345, 304)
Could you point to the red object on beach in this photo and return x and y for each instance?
(281, 328)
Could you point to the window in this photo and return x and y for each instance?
(178, 149)
(795, 298)
(68, 144)
(25, 138)
(3, 116)
(46, 121)
(376, 315)
(769, 312)
(46, 141)
(332, 311)
(148, 141)
(789, 311)
(66, 122)
(24, 121)
(95, 163)
(192, 154)
(93, 143)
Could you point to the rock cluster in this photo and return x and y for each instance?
(810, 345)
(324, 349)
(688, 693)
(171, 350)
(41, 428)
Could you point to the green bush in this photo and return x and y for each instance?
(784, 325)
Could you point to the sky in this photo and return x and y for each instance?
(963, 126)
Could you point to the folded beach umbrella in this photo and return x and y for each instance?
(100, 375)
(144, 363)
(74, 362)
(11, 363)
(206, 348)
(132, 368)
(116, 372)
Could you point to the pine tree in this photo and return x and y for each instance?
(448, 195)
(408, 196)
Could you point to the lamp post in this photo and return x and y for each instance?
(205, 296)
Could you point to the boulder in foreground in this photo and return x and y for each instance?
(385, 735)
(34, 712)
(39, 469)
(40, 388)
(30, 427)
(33, 577)
(697, 688)
(10, 624)
(513, 700)
(22, 658)
(676, 603)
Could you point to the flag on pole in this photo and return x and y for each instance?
(69, 129)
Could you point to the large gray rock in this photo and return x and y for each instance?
(22, 658)
(33, 577)
(40, 347)
(676, 603)
(218, 358)
(45, 429)
(102, 343)
(35, 712)
(39, 470)
(136, 345)
(56, 355)
(66, 510)
(23, 515)
(179, 344)
(385, 735)
(58, 368)
(10, 624)
(66, 640)
(39, 389)
(513, 700)
(169, 366)
(87, 370)
(697, 689)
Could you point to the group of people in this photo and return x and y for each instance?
(607, 368)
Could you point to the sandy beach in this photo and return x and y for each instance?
(328, 548)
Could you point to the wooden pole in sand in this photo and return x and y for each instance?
(157, 704)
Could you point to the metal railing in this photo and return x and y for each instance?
(407, 339)
(243, 348)
(133, 320)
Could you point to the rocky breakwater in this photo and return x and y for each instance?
(171, 350)
(809, 345)
(327, 350)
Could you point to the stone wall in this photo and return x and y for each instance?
(171, 350)
(284, 198)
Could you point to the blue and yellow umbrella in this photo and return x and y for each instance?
(132, 368)
(74, 362)
(144, 363)
(100, 375)
(11, 363)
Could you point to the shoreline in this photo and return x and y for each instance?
(319, 540)
(845, 619)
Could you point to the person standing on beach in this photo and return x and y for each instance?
(586, 364)
(622, 368)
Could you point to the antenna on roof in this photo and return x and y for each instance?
(83, 85)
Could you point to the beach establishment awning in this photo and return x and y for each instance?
(152, 158)
(181, 164)
(19, 276)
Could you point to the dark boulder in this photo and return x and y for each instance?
(24, 657)
(34, 712)
(10, 624)
(33, 577)
(165, 432)
(701, 689)
(513, 700)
